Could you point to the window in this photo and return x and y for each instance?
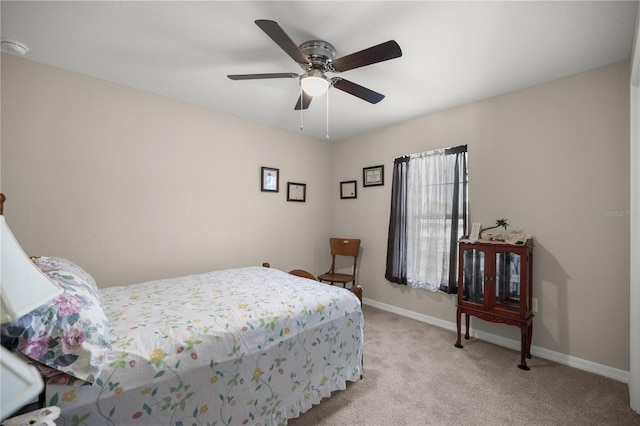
(429, 210)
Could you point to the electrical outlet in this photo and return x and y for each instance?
(534, 305)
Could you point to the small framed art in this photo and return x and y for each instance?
(373, 176)
(270, 179)
(475, 232)
(349, 189)
(296, 192)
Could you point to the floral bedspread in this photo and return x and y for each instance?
(240, 346)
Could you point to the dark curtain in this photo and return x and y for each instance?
(396, 271)
(460, 202)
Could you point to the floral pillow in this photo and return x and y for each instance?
(69, 268)
(69, 333)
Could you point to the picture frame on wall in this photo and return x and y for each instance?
(269, 179)
(373, 176)
(296, 192)
(349, 189)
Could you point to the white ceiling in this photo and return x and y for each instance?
(453, 52)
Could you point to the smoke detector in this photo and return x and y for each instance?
(14, 47)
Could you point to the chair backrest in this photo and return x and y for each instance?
(344, 246)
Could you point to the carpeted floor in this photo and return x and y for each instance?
(413, 375)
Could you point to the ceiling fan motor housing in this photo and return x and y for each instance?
(320, 53)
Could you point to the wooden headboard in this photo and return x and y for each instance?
(2, 198)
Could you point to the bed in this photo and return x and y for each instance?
(250, 345)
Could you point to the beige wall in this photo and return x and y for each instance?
(553, 159)
(135, 187)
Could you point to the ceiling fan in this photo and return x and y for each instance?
(317, 57)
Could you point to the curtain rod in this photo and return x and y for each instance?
(448, 151)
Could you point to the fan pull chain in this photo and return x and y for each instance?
(301, 125)
(327, 136)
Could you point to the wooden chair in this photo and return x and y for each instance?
(342, 247)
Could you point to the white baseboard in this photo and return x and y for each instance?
(560, 358)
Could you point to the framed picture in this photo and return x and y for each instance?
(475, 232)
(296, 192)
(349, 189)
(373, 176)
(270, 179)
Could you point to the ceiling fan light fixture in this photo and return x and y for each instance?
(314, 83)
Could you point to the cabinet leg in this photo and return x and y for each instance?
(523, 347)
(458, 314)
(466, 326)
(529, 336)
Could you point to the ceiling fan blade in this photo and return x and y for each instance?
(372, 55)
(281, 38)
(260, 76)
(305, 100)
(357, 90)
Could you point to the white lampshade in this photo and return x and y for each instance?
(314, 83)
(21, 383)
(24, 286)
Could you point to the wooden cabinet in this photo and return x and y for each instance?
(494, 284)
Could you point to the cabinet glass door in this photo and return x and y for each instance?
(473, 280)
(508, 281)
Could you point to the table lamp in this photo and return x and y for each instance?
(23, 288)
